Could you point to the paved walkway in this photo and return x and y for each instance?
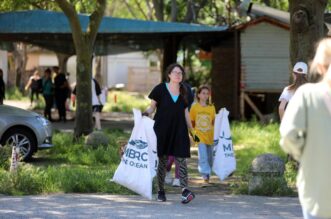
(114, 206)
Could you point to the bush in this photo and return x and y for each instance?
(23, 182)
(13, 93)
(5, 155)
(125, 102)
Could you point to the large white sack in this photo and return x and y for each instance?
(224, 158)
(139, 161)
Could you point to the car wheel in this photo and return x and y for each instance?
(23, 139)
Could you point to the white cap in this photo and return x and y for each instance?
(300, 68)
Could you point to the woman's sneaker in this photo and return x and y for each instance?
(161, 196)
(187, 196)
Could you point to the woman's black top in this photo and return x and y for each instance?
(170, 124)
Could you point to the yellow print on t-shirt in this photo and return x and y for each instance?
(203, 122)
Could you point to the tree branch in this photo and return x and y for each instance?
(150, 10)
(130, 9)
(174, 10)
(73, 19)
(141, 9)
(95, 20)
(158, 7)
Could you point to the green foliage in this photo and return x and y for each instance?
(278, 4)
(13, 93)
(251, 139)
(125, 102)
(276, 186)
(68, 167)
(5, 154)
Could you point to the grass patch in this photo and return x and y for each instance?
(13, 93)
(68, 167)
(125, 101)
(251, 139)
(72, 167)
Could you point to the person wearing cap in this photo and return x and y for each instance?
(305, 134)
(300, 71)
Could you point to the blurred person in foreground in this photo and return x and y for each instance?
(305, 134)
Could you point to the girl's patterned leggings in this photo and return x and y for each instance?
(161, 171)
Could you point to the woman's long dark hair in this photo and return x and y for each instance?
(182, 88)
(299, 80)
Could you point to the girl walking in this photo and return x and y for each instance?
(300, 71)
(172, 124)
(202, 116)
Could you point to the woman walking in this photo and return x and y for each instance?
(172, 123)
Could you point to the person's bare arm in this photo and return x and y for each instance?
(281, 108)
(150, 109)
(27, 86)
(188, 119)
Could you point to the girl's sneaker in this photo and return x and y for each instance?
(161, 196)
(176, 183)
(187, 196)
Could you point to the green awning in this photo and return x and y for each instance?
(51, 30)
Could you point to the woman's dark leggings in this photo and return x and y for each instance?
(48, 106)
(34, 92)
(162, 168)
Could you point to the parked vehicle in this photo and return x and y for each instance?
(27, 130)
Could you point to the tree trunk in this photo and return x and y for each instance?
(20, 55)
(224, 76)
(158, 8)
(169, 54)
(174, 11)
(83, 120)
(63, 59)
(307, 28)
(84, 45)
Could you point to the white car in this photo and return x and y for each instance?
(27, 130)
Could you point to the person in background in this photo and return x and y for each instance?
(48, 94)
(97, 105)
(2, 87)
(305, 134)
(172, 124)
(61, 90)
(35, 86)
(300, 71)
(98, 100)
(202, 115)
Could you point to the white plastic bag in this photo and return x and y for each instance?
(139, 161)
(224, 159)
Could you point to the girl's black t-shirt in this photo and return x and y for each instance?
(170, 124)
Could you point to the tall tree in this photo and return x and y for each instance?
(307, 28)
(84, 45)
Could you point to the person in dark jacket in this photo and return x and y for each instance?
(61, 93)
(48, 93)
